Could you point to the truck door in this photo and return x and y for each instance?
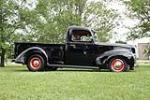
(79, 51)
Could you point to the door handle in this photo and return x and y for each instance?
(72, 45)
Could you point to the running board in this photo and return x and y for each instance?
(72, 66)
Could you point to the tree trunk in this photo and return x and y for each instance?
(2, 58)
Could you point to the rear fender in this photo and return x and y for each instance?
(21, 58)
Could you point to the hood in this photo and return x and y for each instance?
(115, 45)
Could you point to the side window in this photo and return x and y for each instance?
(81, 36)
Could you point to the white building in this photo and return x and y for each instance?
(140, 45)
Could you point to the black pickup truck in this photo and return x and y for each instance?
(81, 50)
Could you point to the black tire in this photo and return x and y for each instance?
(36, 63)
(118, 64)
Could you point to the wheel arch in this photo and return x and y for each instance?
(107, 56)
(30, 53)
(24, 56)
(117, 56)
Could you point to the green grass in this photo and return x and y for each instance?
(16, 83)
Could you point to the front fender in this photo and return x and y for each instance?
(102, 59)
(21, 57)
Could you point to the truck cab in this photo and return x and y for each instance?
(80, 46)
(81, 50)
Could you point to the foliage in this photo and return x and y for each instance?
(10, 21)
(54, 17)
(141, 9)
(100, 18)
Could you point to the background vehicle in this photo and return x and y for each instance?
(81, 50)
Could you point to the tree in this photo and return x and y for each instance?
(10, 21)
(6, 28)
(141, 10)
(54, 17)
(100, 18)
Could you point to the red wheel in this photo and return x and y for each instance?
(35, 63)
(118, 65)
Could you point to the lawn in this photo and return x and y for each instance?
(16, 83)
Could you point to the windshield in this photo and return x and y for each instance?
(95, 37)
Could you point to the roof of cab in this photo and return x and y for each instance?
(79, 28)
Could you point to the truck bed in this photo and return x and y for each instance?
(55, 51)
